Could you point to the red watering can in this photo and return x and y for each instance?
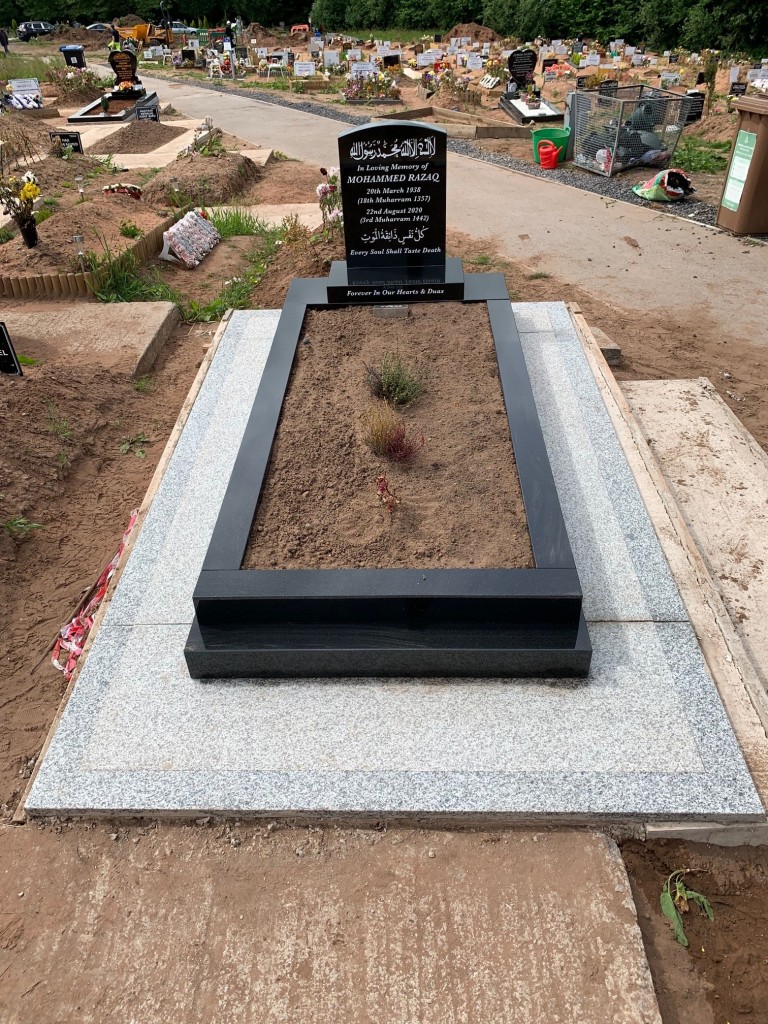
(548, 154)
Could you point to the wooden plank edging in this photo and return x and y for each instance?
(81, 284)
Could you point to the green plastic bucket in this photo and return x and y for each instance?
(557, 136)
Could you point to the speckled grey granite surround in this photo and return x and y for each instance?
(645, 736)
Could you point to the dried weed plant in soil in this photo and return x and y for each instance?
(460, 500)
(140, 137)
(723, 976)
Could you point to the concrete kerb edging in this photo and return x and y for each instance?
(737, 683)
(20, 815)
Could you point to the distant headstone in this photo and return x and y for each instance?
(354, 54)
(738, 89)
(593, 60)
(123, 63)
(700, 78)
(261, 52)
(423, 60)
(72, 139)
(9, 362)
(150, 113)
(581, 83)
(330, 58)
(609, 87)
(391, 60)
(549, 62)
(363, 69)
(393, 187)
(188, 54)
(304, 69)
(696, 111)
(521, 65)
(474, 62)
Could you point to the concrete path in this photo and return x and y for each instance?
(630, 256)
(244, 924)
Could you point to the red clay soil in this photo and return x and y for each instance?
(140, 137)
(460, 500)
(723, 975)
(61, 467)
(98, 222)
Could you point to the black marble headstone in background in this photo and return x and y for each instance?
(393, 195)
(123, 63)
(522, 64)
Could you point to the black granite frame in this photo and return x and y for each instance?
(390, 622)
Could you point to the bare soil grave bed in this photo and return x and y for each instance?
(140, 137)
(460, 499)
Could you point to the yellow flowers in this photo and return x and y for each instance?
(29, 193)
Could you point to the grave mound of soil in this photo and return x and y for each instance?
(478, 33)
(460, 499)
(140, 137)
(97, 220)
(202, 180)
(56, 175)
(262, 35)
(81, 37)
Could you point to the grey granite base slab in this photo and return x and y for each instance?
(644, 736)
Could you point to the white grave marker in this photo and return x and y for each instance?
(304, 69)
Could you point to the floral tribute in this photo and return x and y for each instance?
(329, 197)
(17, 198)
(370, 87)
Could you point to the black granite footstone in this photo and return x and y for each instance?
(413, 622)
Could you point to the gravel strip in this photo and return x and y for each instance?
(611, 188)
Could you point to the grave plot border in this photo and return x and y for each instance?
(390, 622)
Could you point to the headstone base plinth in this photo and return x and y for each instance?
(380, 285)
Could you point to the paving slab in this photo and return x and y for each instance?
(322, 926)
(644, 736)
(122, 336)
(718, 474)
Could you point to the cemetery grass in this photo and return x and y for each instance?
(460, 503)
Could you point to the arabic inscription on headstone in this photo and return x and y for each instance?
(393, 194)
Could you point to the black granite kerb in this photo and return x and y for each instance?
(390, 622)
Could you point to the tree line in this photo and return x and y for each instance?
(730, 25)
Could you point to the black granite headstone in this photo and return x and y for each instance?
(674, 58)
(391, 60)
(522, 64)
(609, 87)
(9, 363)
(68, 139)
(123, 63)
(549, 62)
(696, 110)
(738, 89)
(393, 189)
(149, 113)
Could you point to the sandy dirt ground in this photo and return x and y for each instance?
(96, 907)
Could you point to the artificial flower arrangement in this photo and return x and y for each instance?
(329, 197)
(17, 197)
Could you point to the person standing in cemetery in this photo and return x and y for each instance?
(4, 41)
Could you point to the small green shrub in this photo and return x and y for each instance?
(394, 381)
(19, 526)
(58, 425)
(129, 230)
